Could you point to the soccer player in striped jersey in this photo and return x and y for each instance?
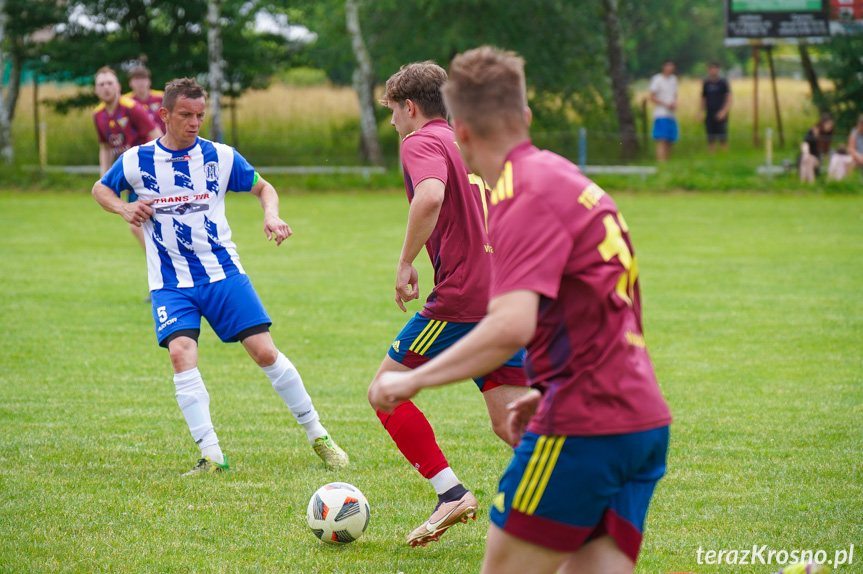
(591, 439)
(447, 215)
(193, 267)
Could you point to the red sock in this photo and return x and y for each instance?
(415, 438)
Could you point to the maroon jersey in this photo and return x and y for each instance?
(152, 104)
(558, 234)
(458, 247)
(128, 126)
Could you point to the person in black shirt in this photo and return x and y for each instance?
(715, 103)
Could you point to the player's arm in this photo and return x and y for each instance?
(135, 213)
(726, 106)
(508, 327)
(422, 218)
(274, 227)
(106, 158)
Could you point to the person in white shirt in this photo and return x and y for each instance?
(663, 94)
(194, 270)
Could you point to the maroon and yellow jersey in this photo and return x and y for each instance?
(558, 234)
(128, 126)
(152, 104)
(458, 247)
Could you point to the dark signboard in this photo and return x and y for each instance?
(776, 18)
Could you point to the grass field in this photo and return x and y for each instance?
(752, 314)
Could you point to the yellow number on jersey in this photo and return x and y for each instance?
(612, 245)
(474, 179)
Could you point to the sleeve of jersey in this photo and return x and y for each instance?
(424, 158)
(531, 249)
(141, 119)
(242, 174)
(115, 178)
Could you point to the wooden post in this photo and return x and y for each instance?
(644, 123)
(755, 96)
(235, 142)
(43, 145)
(582, 147)
(775, 97)
(36, 129)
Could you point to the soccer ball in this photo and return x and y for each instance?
(338, 513)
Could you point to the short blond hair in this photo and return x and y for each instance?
(106, 70)
(486, 90)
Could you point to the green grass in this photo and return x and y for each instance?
(752, 315)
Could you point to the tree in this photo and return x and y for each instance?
(845, 68)
(170, 37)
(214, 55)
(364, 82)
(6, 151)
(619, 80)
(28, 24)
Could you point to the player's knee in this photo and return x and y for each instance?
(264, 356)
(183, 354)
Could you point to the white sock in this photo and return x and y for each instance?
(288, 384)
(194, 401)
(214, 452)
(444, 480)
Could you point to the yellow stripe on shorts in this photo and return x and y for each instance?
(538, 472)
(525, 479)
(549, 467)
(432, 338)
(418, 339)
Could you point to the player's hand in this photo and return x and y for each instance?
(720, 115)
(276, 229)
(138, 211)
(390, 389)
(519, 413)
(407, 285)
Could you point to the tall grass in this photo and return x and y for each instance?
(283, 125)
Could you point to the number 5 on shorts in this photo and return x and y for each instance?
(162, 315)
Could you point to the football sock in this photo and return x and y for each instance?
(453, 493)
(289, 385)
(415, 438)
(194, 401)
(444, 481)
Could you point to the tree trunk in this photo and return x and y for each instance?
(214, 46)
(14, 88)
(619, 82)
(363, 80)
(6, 151)
(809, 71)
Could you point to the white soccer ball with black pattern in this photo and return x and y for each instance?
(338, 513)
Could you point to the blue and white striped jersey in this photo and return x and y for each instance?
(188, 238)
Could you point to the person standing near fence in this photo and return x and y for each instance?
(663, 94)
(141, 83)
(715, 104)
(120, 124)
